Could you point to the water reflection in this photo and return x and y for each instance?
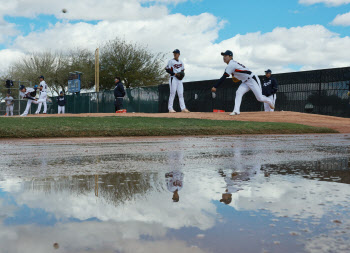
(290, 206)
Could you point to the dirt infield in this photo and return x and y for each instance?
(342, 125)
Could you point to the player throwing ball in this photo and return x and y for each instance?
(176, 70)
(249, 82)
(28, 93)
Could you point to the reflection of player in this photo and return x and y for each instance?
(9, 104)
(235, 182)
(43, 95)
(28, 93)
(174, 183)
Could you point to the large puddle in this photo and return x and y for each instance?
(218, 194)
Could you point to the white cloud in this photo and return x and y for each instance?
(327, 2)
(309, 47)
(342, 19)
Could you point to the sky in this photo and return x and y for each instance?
(284, 36)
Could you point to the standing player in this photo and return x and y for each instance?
(61, 101)
(249, 82)
(269, 89)
(9, 104)
(43, 95)
(176, 70)
(28, 93)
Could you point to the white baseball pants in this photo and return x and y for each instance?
(266, 105)
(176, 85)
(253, 84)
(42, 100)
(29, 102)
(9, 109)
(61, 109)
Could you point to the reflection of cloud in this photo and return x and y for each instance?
(194, 209)
(91, 237)
(336, 240)
(291, 196)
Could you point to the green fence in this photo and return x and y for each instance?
(143, 99)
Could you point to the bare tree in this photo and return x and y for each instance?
(135, 64)
(55, 67)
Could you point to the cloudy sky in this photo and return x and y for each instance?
(282, 35)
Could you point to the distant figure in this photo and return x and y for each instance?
(174, 182)
(9, 104)
(119, 93)
(61, 101)
(269, 89)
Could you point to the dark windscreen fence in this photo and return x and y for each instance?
(198, 97)
(317, 91)
(141, 99)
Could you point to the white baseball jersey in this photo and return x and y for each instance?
(175, 181)
(44, 85)
(238, 70)
(26, 94)
(176, 66)
(8, 100)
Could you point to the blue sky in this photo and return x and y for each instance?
(281, 35)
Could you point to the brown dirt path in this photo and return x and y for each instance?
(340, 124)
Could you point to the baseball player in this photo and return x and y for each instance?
(43, 95)
(269, 89)
(9, 104)
(176, 70)
(61, 101)
(249, 82)
(174, 183)
(28, 93)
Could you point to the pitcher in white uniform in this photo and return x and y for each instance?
(43, 95)
(174, 67)
(249, 80)
(29, 94)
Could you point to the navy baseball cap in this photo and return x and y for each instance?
(177, 51)
(21, 87)
(61, 92)
(41, 77)
(228, 52)
(268, 71)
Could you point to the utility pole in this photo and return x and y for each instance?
(97, 70)
(97, 74)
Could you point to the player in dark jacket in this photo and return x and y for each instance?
(269, 89)
(61, 101)
(119, 93)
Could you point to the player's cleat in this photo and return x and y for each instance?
(36, 113)
(185, 110)
(234, 113)
(44, 113)
(23, 115)
(172, 111)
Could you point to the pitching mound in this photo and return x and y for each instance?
(342, 125)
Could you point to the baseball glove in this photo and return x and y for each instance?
(180, 75)
(235, 80)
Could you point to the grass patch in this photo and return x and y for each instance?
(141, 126)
